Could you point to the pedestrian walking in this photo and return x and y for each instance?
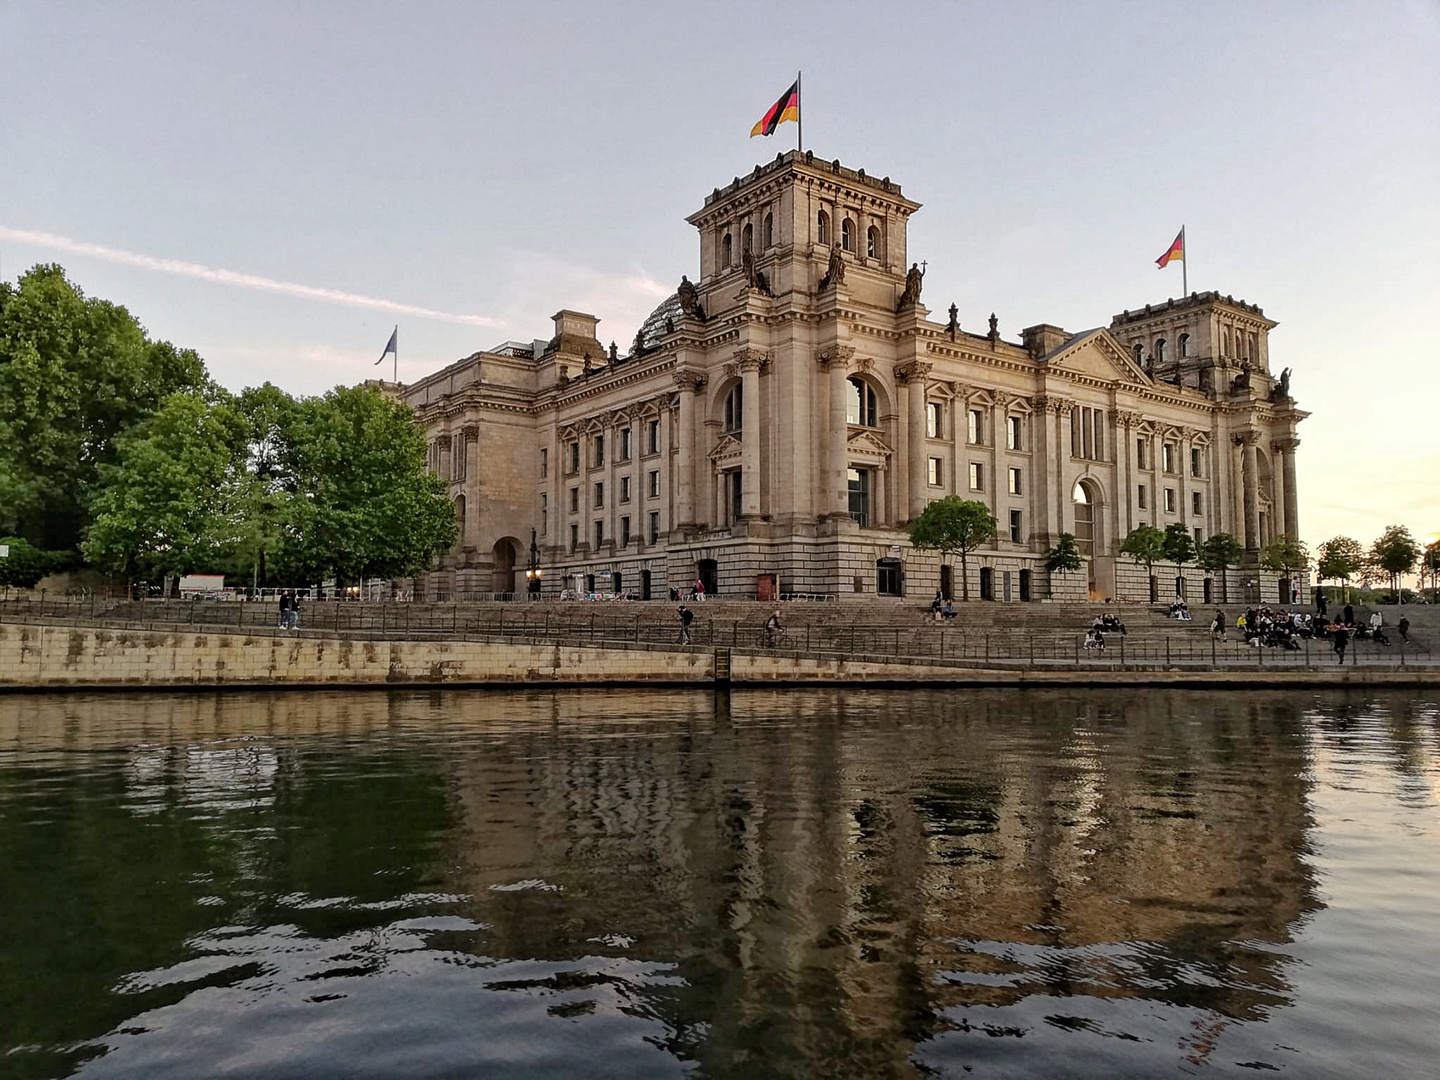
(686, 618)
(284, 623)
(1341, 639)
(294, 611)
(1217, 625)
(1321, 607)
(1404, 627)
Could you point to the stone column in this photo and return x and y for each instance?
(879, 516)
(834, 362)
(1125, 455)
(1250, 468)
(1063, 409)
(689, 384)
(750, 363)
(912, 375)
(1292, 495)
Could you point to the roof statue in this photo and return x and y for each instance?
(1281, 392)
(835, 273)
(954, 327)
(753, 277)
(914, 278)
(994, 327)
(690, 299)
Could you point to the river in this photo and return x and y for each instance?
(838, 883)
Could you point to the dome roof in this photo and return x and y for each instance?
(653, 328)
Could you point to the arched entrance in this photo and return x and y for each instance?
(1086, 498)
(708, 571)
(502, 563)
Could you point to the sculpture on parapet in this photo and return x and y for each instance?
(614, 353)
(994, 334)
(835, 272)
(1242, 382)
(689, 297)
(1281, 392)
(587, 366)
(639, 345)
(914, 278)
(954, 327)
(753, 277)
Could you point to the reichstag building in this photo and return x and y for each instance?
(776, 422)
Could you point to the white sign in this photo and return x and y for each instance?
(4, 551)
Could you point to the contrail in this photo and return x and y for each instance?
(233, 277)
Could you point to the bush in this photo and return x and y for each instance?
(26, 564)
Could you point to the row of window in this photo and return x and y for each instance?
(1169, 458)
(847, 235)
(1015, 478)
(1246, 347)
(456, 454)
(597, 449)
(1171, 500)
(652, 531)
(597, 502)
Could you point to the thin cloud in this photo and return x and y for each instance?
(233, 277)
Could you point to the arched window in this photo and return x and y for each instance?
(735, 408)
(860, 404)
(1184, 345)
(726, 252)
(847, 235)
(822, 227)
(769, 230)
(1159, 350)
(872, 242)
(1225, 342)
(747, 239)
(1139, 351)
(1081, 496)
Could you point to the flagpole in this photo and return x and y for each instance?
(395, 371)
(1184, 263)
(799, 114)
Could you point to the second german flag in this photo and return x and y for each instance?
(787, 108)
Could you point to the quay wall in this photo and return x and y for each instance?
(40, 657)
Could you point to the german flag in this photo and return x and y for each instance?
(787, 108)
(1175, 251)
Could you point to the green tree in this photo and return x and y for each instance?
(1285, 555)
(1218, 552)
(1179, 545)
(1339, 559)
(1430, 562)
(954, 526)
(25, 565)
(174, 502)
(76, 373)
(1395, 552)
(359, 501)
(1063, 558)
(1146, 545)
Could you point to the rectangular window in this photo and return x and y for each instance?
(625, 444)
(1015, 482)
(574, 537)
(599, 451)
(1194, 461)
(654, 526)
(858, 483)
(1196, 506)
(977, 427)
(1141, 497)
(653, 437)
(1012, 433)
(625, 531)
(1167, 457)
(1199, 536)
(932, 419)
(1169, 500)
(575, 500)
(544, 463)
(1142, 454)
(599, 496)
(544, 513)
(599, 533)
(624, 489)
(977, 476)
(575, 456)
(1017, 535)
(654, 483)
(935, 473)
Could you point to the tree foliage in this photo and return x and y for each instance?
(1145, 544)
(26, 564)
(1064, 557)
(1339, 559)
(1178, 545)
(76, 373)
(1395, 552)
(1285, 555)
(954, 526)
(1430, 563)
(1217, 553)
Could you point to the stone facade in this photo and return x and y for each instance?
(788, 412)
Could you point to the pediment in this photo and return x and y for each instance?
(864, 441)
(1097, 355)
(727, 447)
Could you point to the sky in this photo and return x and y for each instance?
(280, 185)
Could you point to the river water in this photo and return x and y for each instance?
(758, 884)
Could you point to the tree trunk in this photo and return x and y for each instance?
(964, 578)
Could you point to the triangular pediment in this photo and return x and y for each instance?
(867, 442)
(1098, 355)
(728, 446)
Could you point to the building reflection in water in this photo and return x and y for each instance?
(830, 882)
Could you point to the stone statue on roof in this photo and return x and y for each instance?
(835, 272)
(914, 278)
(689, 297)
(954, 326)
(994, 327)
(753, 277)
(1282, 388)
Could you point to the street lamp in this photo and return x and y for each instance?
(533, 573)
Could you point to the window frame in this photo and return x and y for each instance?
(977, 476)
(935, 471)
(1015, 480)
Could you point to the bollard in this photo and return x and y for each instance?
(1167, 650)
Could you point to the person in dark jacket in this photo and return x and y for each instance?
(1404, 627)
(1340, 639)
(686, 618)
(1349, 616)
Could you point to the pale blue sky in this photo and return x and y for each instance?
(506, 160)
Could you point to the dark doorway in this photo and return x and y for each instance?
(1024, 585)
(1180, 589)
(1005, 580)
(1285, 595)
(888, 578)
(1209, 590)
(619, 590)
(709, 573)
(644, 584)
(947, 582)
(987, 583)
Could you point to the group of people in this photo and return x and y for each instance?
(774, 633)
(1179, 609)
(289, 610)
(697, 592)
(1106, 623)
(941, 608)
(1266, 627)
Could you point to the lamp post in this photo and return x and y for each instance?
(533, 573)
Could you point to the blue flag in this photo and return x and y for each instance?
(392, 346)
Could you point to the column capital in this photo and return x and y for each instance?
(1247, 438)
(835, 356)
(1061, 406)
(913, 371)
(748, 359)
(1286, 445)
(471, 431)
(689, 380)
(1127, 419)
